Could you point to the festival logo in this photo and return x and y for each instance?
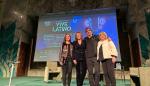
(101, 22)
(61, 26)
(88, 22)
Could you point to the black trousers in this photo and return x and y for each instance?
(67, 72)
(81, 72)
(93, 67)
(109, 75)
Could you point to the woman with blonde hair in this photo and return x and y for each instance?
(107, 53)
(79, 58)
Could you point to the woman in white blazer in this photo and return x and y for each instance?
(107, 53)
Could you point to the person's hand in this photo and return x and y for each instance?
(61, 63)
(75, 62)
(98, 60)
(113, 60)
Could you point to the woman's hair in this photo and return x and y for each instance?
(64, 41)
(76, 35)
(103, 33)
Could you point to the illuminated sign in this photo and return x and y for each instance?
(61, 26)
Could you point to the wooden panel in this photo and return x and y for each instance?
(52, 65)
(22, 67)
(144, 73)
(123, 39)
(134, 71)
(140, 76)
(136, 53)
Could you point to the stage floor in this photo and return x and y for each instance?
(38, 81)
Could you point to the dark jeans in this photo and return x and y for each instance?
(108, 68)
(93, 65)
(81, 72)
(67, 72)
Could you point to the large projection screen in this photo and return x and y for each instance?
(52, 27)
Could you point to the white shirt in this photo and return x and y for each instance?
(108, 49)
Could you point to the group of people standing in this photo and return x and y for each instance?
(87, 54)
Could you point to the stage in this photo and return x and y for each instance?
(38, 81)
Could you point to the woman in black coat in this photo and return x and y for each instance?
(79, 58)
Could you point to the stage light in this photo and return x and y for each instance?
(18, 14)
